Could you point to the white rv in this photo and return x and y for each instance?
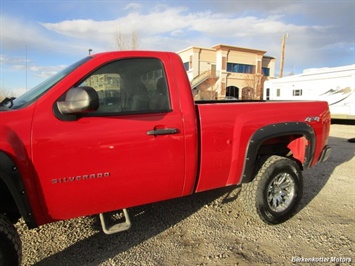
(335, 85)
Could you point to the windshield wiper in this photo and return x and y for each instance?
(8, 102)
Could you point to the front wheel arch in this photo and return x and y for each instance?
(12, 179)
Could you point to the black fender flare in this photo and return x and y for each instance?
(11, 176)
(273, 131)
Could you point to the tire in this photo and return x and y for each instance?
(276, 190)
(10, 243)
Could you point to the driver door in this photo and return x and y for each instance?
(128, 152)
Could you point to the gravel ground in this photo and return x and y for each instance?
(211, 229)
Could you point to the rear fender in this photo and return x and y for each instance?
(303, 147)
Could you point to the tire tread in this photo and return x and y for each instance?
(9, 235)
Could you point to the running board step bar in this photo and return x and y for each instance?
(113, 226)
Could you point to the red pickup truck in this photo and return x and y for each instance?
(121, 129)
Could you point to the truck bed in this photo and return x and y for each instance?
(227, 127)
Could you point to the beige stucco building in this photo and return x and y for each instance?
(225, 71)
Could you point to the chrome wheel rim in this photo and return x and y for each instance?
(281, 192)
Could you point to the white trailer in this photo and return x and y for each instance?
(335, 85)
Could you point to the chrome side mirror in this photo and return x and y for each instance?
(79, 100)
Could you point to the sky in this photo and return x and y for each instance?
(40, 37)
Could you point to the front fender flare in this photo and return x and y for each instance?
(11, 176)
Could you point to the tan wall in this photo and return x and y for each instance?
(208, 56)
(185, 54)
(241, 58)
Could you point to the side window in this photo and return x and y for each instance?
(130, 86)
(297, 92)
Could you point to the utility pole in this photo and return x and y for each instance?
(283, 54)
(26, 67)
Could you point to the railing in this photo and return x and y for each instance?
(202, 77)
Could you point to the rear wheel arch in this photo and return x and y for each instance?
(276, 132)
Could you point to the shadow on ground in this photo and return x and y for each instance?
(316, 177)
(148, 221)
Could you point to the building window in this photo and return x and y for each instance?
(187, 66)
(266, 71)
(240, 68)
(297, 92)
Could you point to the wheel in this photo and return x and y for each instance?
(276, 190)
(10, 243)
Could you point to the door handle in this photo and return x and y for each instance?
(163, 131)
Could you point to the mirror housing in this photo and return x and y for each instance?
(79, 100)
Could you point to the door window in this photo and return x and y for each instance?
(130, 86)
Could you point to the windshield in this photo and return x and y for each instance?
(36, 92)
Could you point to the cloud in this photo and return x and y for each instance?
(176, 21)
(21, 64)
(133, 6)
(45, 71)
(79, 28)
(153, 23)
(174, 28)
(18, 35)
(6, 60)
